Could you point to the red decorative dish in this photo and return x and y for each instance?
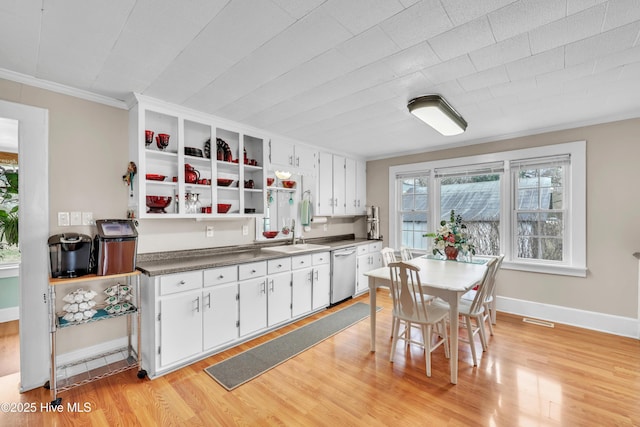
(223, 207)
(288, 184)
(224, 182)
(269, 234)
(156, 204)
(270, 181)
(155, 177)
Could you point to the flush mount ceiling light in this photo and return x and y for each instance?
(437, 113)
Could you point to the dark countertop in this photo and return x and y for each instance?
(159, 263)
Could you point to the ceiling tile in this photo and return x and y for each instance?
(570, 29)
(461, 11)
(615, 40)
(20, 23)
(617, 59)
(508, 50)
(368, 47)
(298, 8)
(412, 59)
(544, 62)
(575, 6)
(417, 23)
(621, 12)
(484, 78)
(524, 15)
(360, 15)
(449, 70)
(463, 39)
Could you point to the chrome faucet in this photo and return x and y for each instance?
(293, 231)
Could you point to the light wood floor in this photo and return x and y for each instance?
(530, 376)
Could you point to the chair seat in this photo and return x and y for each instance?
(435, 313)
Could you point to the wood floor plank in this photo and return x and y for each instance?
(530, 375)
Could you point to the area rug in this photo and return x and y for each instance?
(248, 365)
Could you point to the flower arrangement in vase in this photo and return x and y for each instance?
(451, 238)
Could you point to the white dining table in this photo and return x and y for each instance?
(448, 280)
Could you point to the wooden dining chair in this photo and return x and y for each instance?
(473, 313)
(489, 315)
(405, 253)
(388, 256)
(411, 307)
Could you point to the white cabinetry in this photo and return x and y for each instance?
(220, 306)
(321, 280)
(190, 164)
(341, 186)
(292, 156)
(331, 185)
(302, 284)
(253, 297)
(278, 291)
(369, 258)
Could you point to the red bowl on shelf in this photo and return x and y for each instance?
(270, 181)
(224, 182)
(156, 204)
(223, 207)
(288, 184)
(269, 234)
(155, 177)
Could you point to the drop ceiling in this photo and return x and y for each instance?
(338, 73)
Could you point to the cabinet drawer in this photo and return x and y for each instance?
(278, 265)
(320, 258)
(252, 270)
(301, 261)
(218, 276)
(375, 247)
(363, 249)
(172, 283)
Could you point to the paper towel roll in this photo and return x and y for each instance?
(319, 219)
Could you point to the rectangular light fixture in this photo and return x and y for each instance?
(437, 113)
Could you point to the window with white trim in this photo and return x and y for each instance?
(528, 204)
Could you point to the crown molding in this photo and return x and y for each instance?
(62, 89)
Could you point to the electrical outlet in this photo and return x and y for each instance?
(87, 218)
(245, 230)
(63, 219)
(325, 227)
(209, 230)
(75, 218)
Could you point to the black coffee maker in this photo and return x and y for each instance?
(70, 255)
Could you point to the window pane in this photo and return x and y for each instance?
(540, 222)
(477, 199)
(413, 212)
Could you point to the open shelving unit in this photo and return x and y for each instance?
(66, 376)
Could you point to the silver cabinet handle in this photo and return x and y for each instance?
(263, 287)
(316, 273)
(197, 301)
(209, 300)
(271, 288)
(221, 277)
(181, 283)
(298, 161)
(253, 272)
(291, 160)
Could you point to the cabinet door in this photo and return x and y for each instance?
(339, 181)
(365, 263)
(180, 327)
(281, 153)
(253, 305)
(351, 187)
(324, 202)
(305, 158)
(361, 188)
(279, 298)
(301, 291)
(321, 286)
(220, 315)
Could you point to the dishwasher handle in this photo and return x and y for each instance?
(344, 253)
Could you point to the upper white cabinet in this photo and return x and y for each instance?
(292, 156)
(341, 186)
(204, 168)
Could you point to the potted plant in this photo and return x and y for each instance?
(451, 238)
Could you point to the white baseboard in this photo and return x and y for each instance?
(9, 314)
(89, 352)
(616, 325)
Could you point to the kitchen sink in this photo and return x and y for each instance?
(295, 249)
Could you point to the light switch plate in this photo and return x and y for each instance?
(87, 218)
(75, 218)
(245, 230)
(209, 230)
(63, 219)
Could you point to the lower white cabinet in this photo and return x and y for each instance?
(190, 315)
(369, 258)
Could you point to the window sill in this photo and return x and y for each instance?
(9, 270)
(562, 270)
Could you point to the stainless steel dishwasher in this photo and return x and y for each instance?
(343, 274)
